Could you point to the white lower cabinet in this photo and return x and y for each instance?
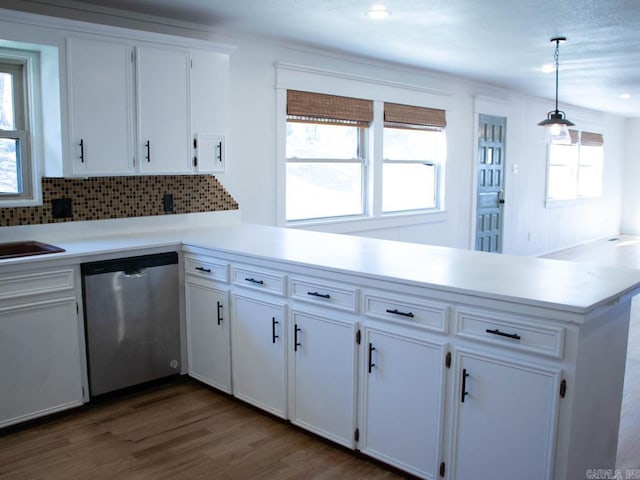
(322, 375)
(505, 414)
(208, 328)
(258, 343)
(39, 351)
(403, 394)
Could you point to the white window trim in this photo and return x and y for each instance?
(552, 203)
(373, 218)
(34, 142)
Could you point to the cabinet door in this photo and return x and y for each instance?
(403, 396)
(101, 109)
(323, 376)
(39, 349)
(505, 419)
(208, 335)
(163, 110)
(258, 339)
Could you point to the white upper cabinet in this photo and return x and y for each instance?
(137, 107)
(101, 107)
(209, 108)
(163, 110)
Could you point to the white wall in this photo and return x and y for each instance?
(529, 228)
(631, 205)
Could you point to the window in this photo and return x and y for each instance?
(15, 163)
(342, 163)
(575, 170)
(325, 152)
(413, 143)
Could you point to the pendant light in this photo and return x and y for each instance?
(556, 124)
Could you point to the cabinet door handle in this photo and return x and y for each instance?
(370, 362)
(321, 295)
(464, 385)
(81, 150)
(148, 146)
(515, 336)
(219, 313)
(274, 322)
(202, 269)
(220, 152)
(395, 311)
(296, 344)
(253, 280)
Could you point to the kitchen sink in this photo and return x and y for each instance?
(26, 249)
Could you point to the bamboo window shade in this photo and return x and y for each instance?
(591, 139)
(574, 136)
(328, 109)
(408, 116)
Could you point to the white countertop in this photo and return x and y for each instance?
(541, 282)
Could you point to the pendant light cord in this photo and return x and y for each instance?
(556, 57)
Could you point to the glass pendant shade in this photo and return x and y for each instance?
(557, 128)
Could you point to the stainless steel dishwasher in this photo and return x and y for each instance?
(132, 320)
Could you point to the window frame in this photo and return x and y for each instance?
(26, 109)
(315, 81)
(436, 163)
(362, 160)
(575, 166)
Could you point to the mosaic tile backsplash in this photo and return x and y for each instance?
(99, 198)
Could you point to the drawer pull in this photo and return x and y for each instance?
(395, 311)
(202, 269)
(253, 280)
(321, 295)
(515, 336)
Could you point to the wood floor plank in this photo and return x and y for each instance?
(180, 430)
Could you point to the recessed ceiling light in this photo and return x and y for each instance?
(548, 68)
(378, 12)
(625, 96)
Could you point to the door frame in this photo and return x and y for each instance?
(497, 107)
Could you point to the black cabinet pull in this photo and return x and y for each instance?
(202, 269)
(515, 336)
(81, 150)
(219, 313)
(321, 295)
(220, 151)
(253, 280)
(274, 322)
(464, 385)
(148, 146)
(371, 364)
(395, 311)
(296, 344)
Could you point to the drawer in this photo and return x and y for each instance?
(264, 281)
(511, 332)
(21, 285)
(342, 297)
(408, 310)
(206, 267)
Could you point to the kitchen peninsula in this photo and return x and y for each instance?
(445, 363)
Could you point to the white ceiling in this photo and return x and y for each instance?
(503, 42)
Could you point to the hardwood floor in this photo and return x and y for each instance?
(621, 251)
(183, 430)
